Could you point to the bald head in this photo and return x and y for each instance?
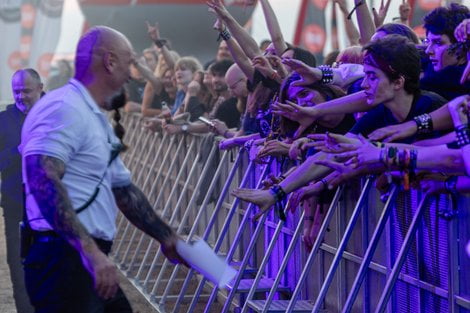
(236, 81)
(27, 88)
(102, 62)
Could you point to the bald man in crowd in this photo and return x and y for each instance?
(75, 183)
(27, 88)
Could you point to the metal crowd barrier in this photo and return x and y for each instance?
(404, 255)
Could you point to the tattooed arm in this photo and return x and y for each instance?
(43, 175)
(134, 205)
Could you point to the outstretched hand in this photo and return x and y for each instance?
(394, 132)
(333, 143)
(309, 75)
(262, 198)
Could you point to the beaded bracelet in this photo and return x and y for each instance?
(424, 123)
(326, 74)
(463, 135)
(225, 35)
(277, 192)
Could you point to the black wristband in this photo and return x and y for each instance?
(424, 123)
(277, 192)
(160, 42)
(225, 35)
(326, 74)
(462, 133)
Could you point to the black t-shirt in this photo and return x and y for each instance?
(195, 109)
(228, 113)
(381, 116)
(446, 82)
(135, 93)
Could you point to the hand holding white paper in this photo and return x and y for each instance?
(203, 259)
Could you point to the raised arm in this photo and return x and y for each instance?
(351, 29)
(246, 42)
(154, 34)
(237, 53)
(364, 20)
(148, 75)
(43, 175)
(273, 27)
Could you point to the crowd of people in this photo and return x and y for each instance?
(391, 104)
(387, 105)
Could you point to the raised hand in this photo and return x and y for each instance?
(262, 64)
(153, 31)
(218, 8)
(379, 17)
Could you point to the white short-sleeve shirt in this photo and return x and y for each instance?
(67, 124)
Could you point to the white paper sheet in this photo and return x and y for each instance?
(203, 259)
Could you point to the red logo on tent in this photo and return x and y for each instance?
(314, 37)
(14, 61)
(320, 3)
(429, 4)
(44, 64)
(25, 46)
(28, 15)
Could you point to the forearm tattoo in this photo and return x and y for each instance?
(43, 174)
(135, 206)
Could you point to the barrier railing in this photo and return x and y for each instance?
(401, 256)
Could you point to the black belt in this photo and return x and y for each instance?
(52, 236)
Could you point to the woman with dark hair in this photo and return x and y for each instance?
(315, 204)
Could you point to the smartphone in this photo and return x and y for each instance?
(206, 121)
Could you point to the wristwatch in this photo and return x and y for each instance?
(184, 128)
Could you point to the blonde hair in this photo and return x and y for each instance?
(190, 63)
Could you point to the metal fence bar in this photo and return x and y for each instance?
(285, 260)
(374, 241)
(149, 160)
(214, 215)
(247, 254)
(401, 257)
(226, 224)
(264, 261)
(185, 218)
(177, 207)
(167, 206)
(342, 247)
(315, 249)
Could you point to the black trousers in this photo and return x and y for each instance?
(57, 281)
(13, 214)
